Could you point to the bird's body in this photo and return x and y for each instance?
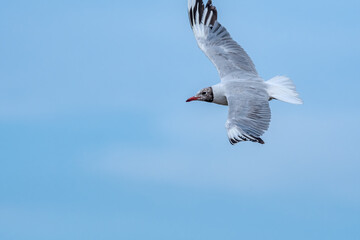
(241, 88)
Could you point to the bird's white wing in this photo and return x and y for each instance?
(249, 112)
(215, 41)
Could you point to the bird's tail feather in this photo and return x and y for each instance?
(283, 89)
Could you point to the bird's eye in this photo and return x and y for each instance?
(203, 93)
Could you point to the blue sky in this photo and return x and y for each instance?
(97, 141)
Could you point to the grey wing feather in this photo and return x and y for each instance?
(215, 41)
(249, 114)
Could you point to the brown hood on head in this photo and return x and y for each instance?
(205, 95)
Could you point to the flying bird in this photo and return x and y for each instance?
(241, 88)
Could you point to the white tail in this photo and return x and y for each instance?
(283, 89)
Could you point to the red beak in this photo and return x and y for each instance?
(192, 99)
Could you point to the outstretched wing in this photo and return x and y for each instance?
(215, 41)
(249, 114)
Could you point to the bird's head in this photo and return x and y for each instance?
(205, 95)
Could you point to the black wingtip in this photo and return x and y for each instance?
(191, 16)
(234, 141)
(212, 9)
(199, 9)
(258, 140)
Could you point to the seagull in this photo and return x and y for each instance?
(241, 88)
